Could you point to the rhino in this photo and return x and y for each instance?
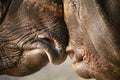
(36, 32)
(94, 37)
(32, 34)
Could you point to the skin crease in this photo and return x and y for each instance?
(94, 42)
(32, 33)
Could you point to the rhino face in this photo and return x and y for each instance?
(32, 33)
(94, 37)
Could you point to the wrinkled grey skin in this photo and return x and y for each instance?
(94, 28)
(32, 33)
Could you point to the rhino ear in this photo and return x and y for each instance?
(4, 5)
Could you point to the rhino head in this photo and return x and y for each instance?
(94, 28)
(32, 33)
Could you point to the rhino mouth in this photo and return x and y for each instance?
(4, 6)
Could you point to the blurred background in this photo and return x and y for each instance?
(50, 72)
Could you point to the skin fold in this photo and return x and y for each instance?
(94, 37)
(32, 33)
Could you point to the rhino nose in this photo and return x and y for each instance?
(56, 54)
(70, 51)
(76, 55)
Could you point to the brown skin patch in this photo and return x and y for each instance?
(51, 6)
(57, 9)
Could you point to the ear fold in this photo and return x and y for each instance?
(4, 5)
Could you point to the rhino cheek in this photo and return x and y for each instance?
(31, 62)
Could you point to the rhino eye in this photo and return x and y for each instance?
(4, 6)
